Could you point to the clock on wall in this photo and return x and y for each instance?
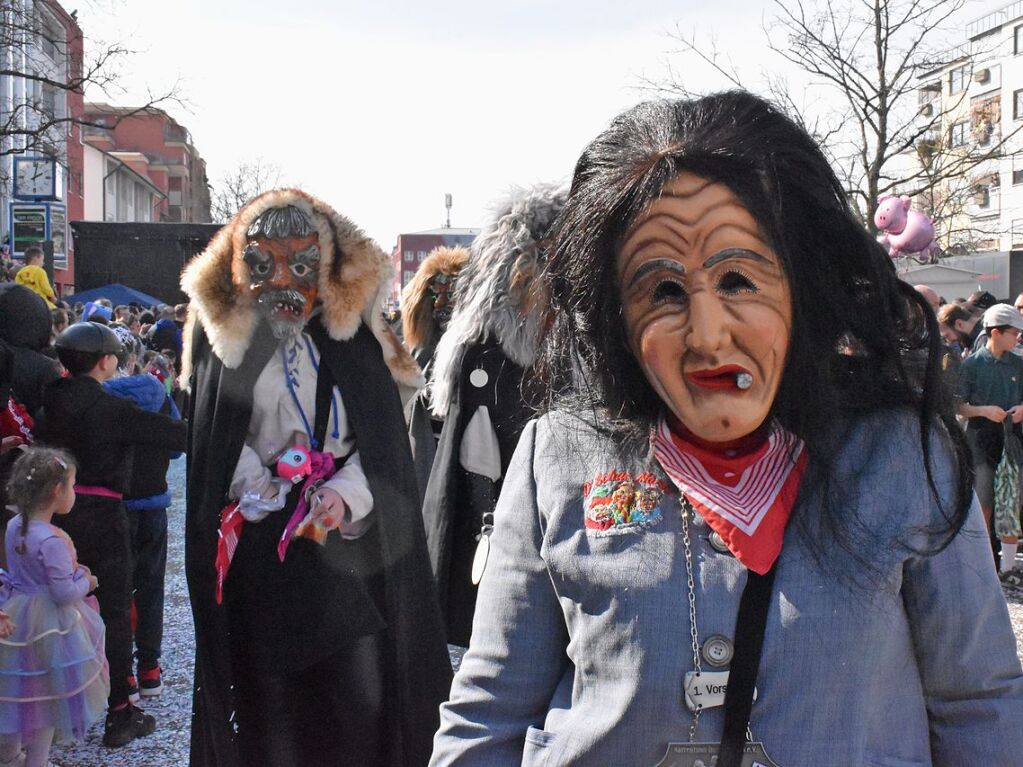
(37, 178)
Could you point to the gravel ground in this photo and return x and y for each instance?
(168, 746)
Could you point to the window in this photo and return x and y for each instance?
(1017, 231)
(985, 118)
(409, 257)
(49, 103)
(986, 195)
(958, 78)
(422, 255)
(408, 277)
(49, 37)
(1017, 105)
(957, 134)
(1017, 40)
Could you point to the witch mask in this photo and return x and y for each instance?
(708, 310)
(283, 256)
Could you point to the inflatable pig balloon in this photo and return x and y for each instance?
(905, 232)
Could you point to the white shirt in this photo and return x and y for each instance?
(277, 424)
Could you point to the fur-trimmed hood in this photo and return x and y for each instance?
(355, 276)
(418, 326)
(496, 287)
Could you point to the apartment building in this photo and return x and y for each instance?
(977, 93)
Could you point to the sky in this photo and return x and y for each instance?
(380, 108)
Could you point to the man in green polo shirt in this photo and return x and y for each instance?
(991, 390)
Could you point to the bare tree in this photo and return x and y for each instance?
(241, 184)
(875, 59)
(47, 67)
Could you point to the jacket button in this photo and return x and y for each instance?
(717, 651)
(718, 543)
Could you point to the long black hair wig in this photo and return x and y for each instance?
(863, 342)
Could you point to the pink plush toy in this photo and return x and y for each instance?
(295, 464)
(905, 232)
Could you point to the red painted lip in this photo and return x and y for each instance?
(722, 378)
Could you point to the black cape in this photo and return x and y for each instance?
(417, 664)
(455, 500)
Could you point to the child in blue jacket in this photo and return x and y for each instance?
(147, 502)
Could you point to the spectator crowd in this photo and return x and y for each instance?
(96, 384)
(984, 361)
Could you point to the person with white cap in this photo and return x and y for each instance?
(990, 391)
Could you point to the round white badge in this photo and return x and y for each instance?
(479, 378)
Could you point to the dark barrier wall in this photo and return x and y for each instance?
(1015, 274)
(147, 257)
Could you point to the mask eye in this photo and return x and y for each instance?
(259, 264)
(301, 270)
(736, 282)
(669, 292)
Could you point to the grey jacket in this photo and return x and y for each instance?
(582, 637)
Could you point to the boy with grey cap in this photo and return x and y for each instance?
(991, 391)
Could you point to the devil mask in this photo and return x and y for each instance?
(283, 256)
(440, 290)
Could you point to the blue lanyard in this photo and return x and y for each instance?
(294, 395)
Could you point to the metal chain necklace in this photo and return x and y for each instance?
(691, 589)
(687, 549)
(699, 693)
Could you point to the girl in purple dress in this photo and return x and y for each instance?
(54, 679)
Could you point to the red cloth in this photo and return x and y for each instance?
(15, 421)
(745, 491)
(231, 521)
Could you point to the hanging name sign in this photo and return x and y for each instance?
(706, 755)
(705, 689)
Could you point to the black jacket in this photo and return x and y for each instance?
(25, 324)
(310, 590)
(101, 430)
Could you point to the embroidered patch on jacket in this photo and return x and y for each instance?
(617, 498)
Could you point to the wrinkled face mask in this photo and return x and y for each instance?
(441, 288)
(284, 278)
(707, 306)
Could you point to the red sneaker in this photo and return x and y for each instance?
(150, 682)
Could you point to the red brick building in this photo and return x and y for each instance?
(155, 145)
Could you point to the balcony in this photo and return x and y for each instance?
(994, 19)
